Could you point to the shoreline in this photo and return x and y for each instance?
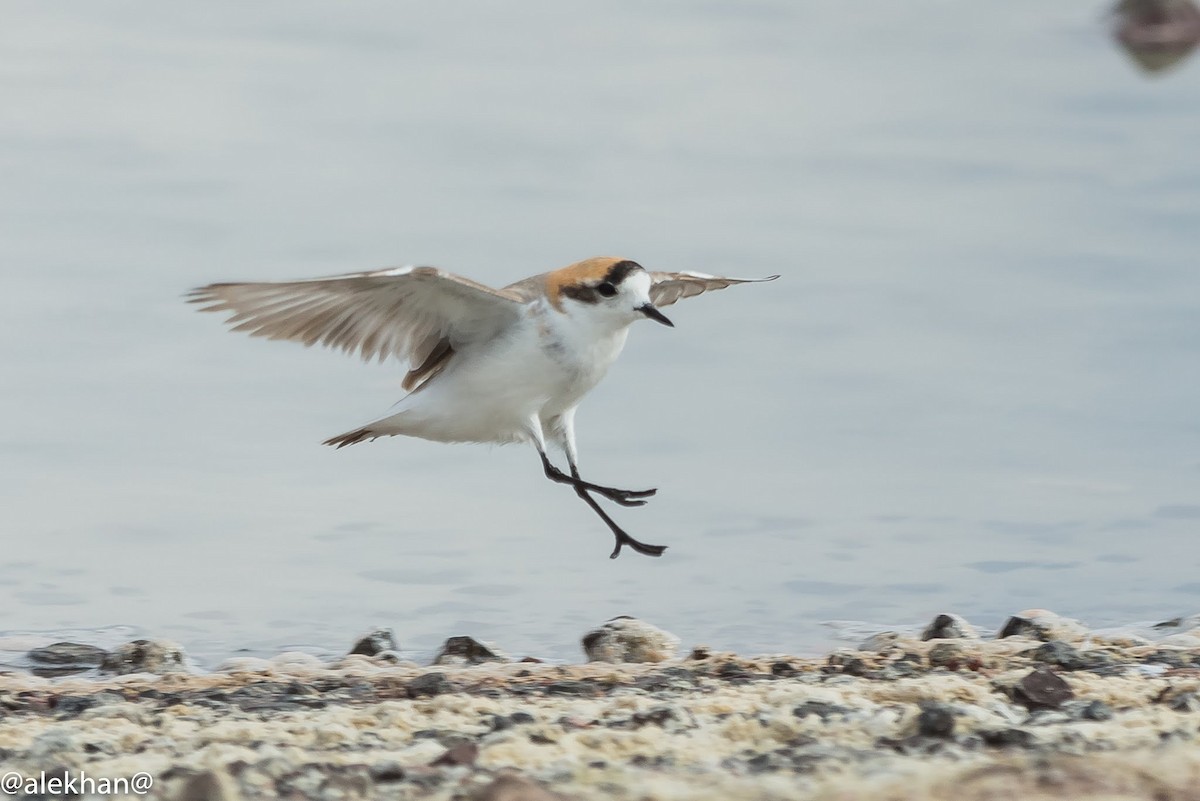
(1048, 711)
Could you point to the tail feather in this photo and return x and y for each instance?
(353, 437)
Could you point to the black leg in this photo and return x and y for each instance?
(623, 497)
(581, 489)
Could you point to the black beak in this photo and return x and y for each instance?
(654, 314)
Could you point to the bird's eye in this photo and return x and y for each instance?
(606, 289)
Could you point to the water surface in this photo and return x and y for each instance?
(974, 389)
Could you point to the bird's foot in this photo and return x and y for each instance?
(640, 547)
(622, 496)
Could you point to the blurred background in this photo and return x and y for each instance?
(973, 390)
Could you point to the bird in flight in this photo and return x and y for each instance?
(485, 365)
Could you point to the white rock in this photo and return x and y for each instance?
(627, 639)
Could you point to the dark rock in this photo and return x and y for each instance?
(144, 656)
(1061, 654)
(73, 657)
(947, 655)
(700, 652)
(1175, 659)
(1007, 738)
(520, 718)
(821, 709)
(571, 688)
(1096, 710)
(465, 651)
(848, 664)
(1041, 625)
(657, 716)
(783, 669)
(1185, 702)
(461, 754)
(949, 627)
(375, 643)
(428, 684)
(1042, 689)
(935, 720)
(73, 704)
(385, 772)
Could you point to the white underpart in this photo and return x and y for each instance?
(524, 385)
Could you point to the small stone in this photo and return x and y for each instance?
(700, 652)
(935, 720)
(949, 627)
(1185, 702)
(821, 709)
(572, 688)
(1007, 738)
(1061, 654)
(428, 684)
(657, 716)
(520, 718)
(375, 643)
(64, 659)
(384, 772)
(1041, 625)
(626, 639)
(1096, 710)
(881, 642)
(144, 656)
(208, 785)
(1042, 689)
(465, 651)
(515, 788)
(461, 754)
(72, 705)
(947, 655)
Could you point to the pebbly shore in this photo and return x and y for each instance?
(1041, 709)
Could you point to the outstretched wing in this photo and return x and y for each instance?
(417, 313)
(670, 287)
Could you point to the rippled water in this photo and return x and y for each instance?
(973, 390)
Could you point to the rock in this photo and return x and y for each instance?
(1042, 689)
(1096, 710)
(1185, 702)
(949, 627)
(208, 785)
(65, 658)
(375, 643)
(880, 643)
(1061, 654)
(515, 788)
(935, 720)
(626, 639)
(428, 684)
(384, 772)
(700, 652)
(821, 709)
(461, 754)
(466, 651)
(144, 656)
(947, 655)
(1038, 624)
(1007, 738)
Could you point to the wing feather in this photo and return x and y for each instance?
(403, 312)
(666, 288)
